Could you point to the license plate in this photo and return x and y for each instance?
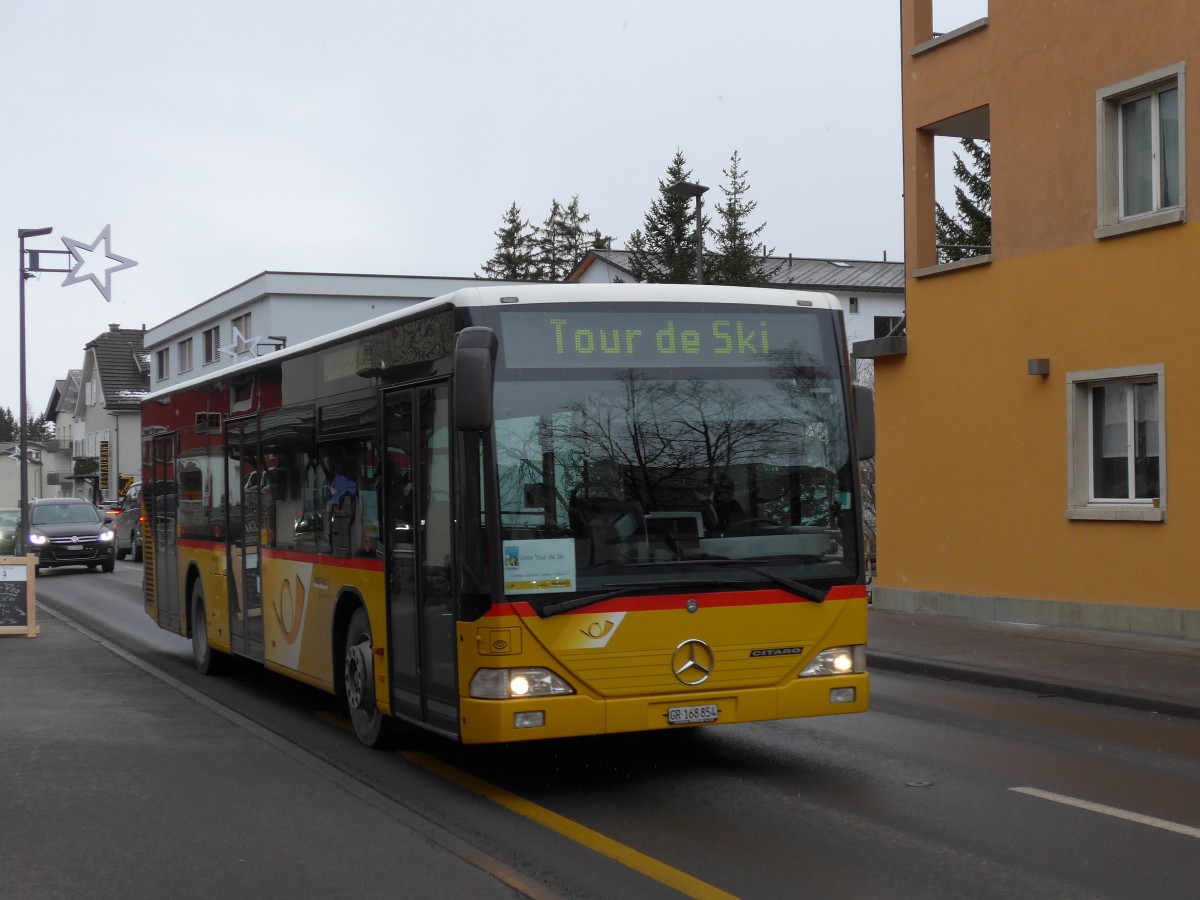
(74, 546)
(691, 715)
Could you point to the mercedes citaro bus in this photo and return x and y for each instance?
(512, 513)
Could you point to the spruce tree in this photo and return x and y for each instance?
(663, 251)
(738, 256)
(969, 231)
(514, 259)
(551, 245)
(578, 241)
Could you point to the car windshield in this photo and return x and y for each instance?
(9, 517)
(65, 513)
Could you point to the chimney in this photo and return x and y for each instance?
(114, 326)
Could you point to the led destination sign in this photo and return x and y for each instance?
(626, 338)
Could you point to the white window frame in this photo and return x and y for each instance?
(184, 355)
(240, 334)
(162, 364)
(1109, 219)
(1080, 502)
(212, 344)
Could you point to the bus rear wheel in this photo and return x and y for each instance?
(358, 682)
(208, 660)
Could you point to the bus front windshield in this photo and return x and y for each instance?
(658, 477)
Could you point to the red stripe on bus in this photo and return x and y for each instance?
(326, 559)
(675, 601)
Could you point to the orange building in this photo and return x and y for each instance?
(1037, 421)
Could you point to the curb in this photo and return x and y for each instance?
(991, 678)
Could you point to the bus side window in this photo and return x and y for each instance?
(348, 466)
(310, 518)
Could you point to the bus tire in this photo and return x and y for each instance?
(358, 682)
(208, 660)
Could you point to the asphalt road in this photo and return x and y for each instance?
(942, 790)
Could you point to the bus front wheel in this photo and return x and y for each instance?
(208, 660)
(358, 682)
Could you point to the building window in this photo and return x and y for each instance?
(184, 355)
(212, 344)
(89, 393)
(853, 306)
(162, 364)
(885, 325)
(1117, 436)
(241, 333)
(1140, 171)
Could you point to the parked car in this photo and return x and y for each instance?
(69, 531)
(129, 523)
(9, 520)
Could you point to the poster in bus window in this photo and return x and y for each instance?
(539, 566)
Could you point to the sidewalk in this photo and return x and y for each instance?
(1149, 673)
(117, 783)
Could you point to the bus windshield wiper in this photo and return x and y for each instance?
(800, 590)
(553, 609)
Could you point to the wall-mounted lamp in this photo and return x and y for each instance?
(1039, 367)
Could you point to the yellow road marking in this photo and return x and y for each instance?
(336, 720)
(627, 856)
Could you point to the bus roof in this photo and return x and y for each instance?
(518, 294)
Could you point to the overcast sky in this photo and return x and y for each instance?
(223, 139)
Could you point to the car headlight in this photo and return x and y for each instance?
(504, 684)
(36, 539)
(106, 536)
(837, 661)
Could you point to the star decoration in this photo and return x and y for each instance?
(241, 344)
(90, 263)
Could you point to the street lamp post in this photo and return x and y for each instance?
(23, 274)
(689, 189)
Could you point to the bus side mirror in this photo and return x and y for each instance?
(864, 421)
(474, 374)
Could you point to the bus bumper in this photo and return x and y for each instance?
(538, 718)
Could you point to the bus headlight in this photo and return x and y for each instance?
(505, 684)
(837, 661)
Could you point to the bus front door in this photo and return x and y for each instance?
(244, 531)
(418, 528)
(163, 505)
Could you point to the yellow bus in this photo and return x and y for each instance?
(512, 513)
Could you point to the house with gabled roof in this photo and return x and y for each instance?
(56, 458)
(106, 446)
(871, 292)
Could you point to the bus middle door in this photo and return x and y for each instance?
(244, 510)
(163, 508)
(418, 529)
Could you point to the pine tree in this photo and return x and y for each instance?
(578, 241)
(969, 232)
(551, 245)
(738, 254)
(663, 251)
(514, 259)
(39, 429)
